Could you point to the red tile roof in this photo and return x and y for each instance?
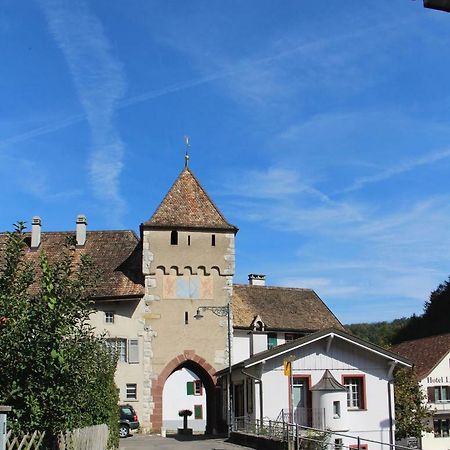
(425, 353)
(187, 205)
(281, 308)
(117, 256)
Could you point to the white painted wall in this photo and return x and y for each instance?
(440, 376)
(175, 398)
(240, 346)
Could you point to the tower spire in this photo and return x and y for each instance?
(186, 156)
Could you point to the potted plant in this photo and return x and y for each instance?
(185, 413)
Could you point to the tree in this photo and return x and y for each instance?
(379, 333)
(55, 372)
(434, 319)
(412, 416)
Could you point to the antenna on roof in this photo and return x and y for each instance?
(186, 156)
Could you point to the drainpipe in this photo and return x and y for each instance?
(258, 380)
(392, 365)
(391, 421)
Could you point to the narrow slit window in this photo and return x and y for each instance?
(174, 237)
(336, 409)
(213, 240)
(186, 318)
(189, 240)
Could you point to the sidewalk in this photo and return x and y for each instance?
(199, 442)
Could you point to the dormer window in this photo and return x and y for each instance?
(174, 237)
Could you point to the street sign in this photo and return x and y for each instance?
(287, 366)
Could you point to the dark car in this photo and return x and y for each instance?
(128, 420)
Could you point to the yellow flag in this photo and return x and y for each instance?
(287, 365)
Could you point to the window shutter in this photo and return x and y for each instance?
(190, 388)
(133, 351)
(198, 411)
(430, 392)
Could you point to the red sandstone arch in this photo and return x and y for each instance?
(188, 356)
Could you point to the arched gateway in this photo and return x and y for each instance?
(188, 360)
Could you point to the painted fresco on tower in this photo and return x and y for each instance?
(187, 287)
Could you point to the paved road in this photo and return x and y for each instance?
(141, 442)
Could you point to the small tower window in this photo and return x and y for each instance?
(186, 318)
(213, 240)
(174, 237)
(189, 240)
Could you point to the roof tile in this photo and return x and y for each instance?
(188, 205)
(281, 308)
(117, 256)
(425, 353)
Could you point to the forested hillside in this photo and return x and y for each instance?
(380, 333)
(434, 320)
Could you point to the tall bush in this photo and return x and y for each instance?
(55, 372)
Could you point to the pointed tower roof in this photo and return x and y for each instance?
(328, 383)
(187, 205)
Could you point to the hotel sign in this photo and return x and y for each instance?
(438, 380)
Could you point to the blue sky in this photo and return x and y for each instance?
(321, 129)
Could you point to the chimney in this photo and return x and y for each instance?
(256, 280)
(81, 230)
(35, 232)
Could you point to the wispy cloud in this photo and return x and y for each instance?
(100, 84)
(32, 178)
(398, 169)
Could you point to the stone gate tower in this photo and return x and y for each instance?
(188, 261)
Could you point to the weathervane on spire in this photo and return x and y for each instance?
(186, 156)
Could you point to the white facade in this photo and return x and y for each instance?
(183, 390)
(436, 387)
(368, 409)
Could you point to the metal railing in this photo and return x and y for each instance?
(307, 438)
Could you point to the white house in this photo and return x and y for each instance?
(338, 382)
(431, 357)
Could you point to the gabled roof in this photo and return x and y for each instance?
(281, 308)
(187, 205)
(426, 353)
(117, 256)
(286, 349)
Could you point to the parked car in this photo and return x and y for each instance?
(128, 420)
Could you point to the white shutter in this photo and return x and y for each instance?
(133, 351)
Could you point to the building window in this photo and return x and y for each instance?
(198, 389)
(338, 445)
(213, 240)
(194, 387)
(109, 317)
(441, 427)
(118, 347)
(174, 237)
(355, 391)
(291, 336)
(336, 409)
(186, 318)
(271, 340)
(198, 411)
(132, 391)
(126, 350)
(438, 394)
(189, 240)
